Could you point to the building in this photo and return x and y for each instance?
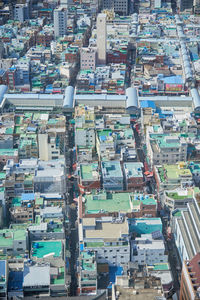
(112, 175)
(60, 22)
(120, 6)
(13, 242)
(87, 273)
(108, 237)
(147, 250)
(21, 12)
(184, 5)
(113, 204)
(88, 58)
(170, 177)
(178, 198)
(187, 231)
(101, 39)
(89, 177)
(137, 286)
(36, 279)
(133, 173)
(165, 148)
(190, 279)
(106, 144)
(3, 279)
(50, 177)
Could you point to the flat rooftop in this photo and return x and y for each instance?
(108, 231)
(133, 169)
(41, 248)
(173, 172)
(89, 172)
(111, 169)
(107, 202)
(88, 261)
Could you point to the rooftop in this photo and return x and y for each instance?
(40, 249)
(173, 172)
(107, 202)
(107, 230)
(111, 169)
(89, 172)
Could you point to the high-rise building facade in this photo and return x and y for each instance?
(60, 21)
(101, 38)
(119, 6)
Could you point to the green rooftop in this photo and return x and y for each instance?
(173, 172)
(40, 249)
(161, 267)
(60, 278)
(8, 152)
(88, 261)
(89, 171)
(107, 202)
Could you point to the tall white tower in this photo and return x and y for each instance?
(101, 39)
(60, 21)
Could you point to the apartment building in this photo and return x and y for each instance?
(108, 237)
(3, 279)
(87, 273)
(190, 279)
(164, 148)
(88, 58)
(147, 250)
(133, 173)
(187, 231)
(112, 175)
(60, 22)
(169, 177)
(105, 144)
(89, 177)
(119, 6)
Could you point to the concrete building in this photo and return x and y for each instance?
(36, 279)
(190, 279)
(21, 12)
(112, 175)
(3, 279)
(170, 177)
(105, 144)
(187, 231)
(133, 173)
(87, 273)
(13, 242)
(88, 58)
(89, 177)
(112, 204)
(147, 250)
(101, 39)
(60, 22)
(108, 237)
(85, 137)
(50, 177)
(178, 198)
(165, 148)
(119, 6)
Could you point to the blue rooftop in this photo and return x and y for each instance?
(173, 80)
(15, 281)
(28, 197)
(2, 268)
(147, 103)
